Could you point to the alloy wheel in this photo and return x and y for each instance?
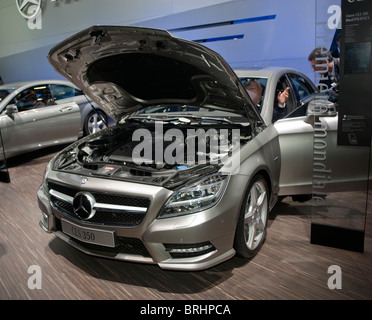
(95, 123)
(255, 216)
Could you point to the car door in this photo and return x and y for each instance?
(309, 150)
(63, 93)
(338, 167)
(27, 126)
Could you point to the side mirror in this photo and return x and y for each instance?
(321, 108)
(10, 109)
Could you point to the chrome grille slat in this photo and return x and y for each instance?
(61, 196)
(116, 207)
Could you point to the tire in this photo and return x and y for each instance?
(94, 123)
(251, 229)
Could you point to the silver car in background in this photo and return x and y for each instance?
(38, 114)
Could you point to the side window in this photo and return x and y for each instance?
(63, 92)
(34, 97)
(299, 112)
(279, 111)
(4, 93)
(78, 92)
(301, 87)
(302, 90)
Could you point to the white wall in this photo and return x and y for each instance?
(286, 40)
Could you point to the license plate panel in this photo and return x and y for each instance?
(89, 235)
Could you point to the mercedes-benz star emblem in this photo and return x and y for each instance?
(83, 205)
(29, 9)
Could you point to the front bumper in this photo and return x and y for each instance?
(191, 242)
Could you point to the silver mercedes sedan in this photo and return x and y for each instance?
(188, 175)
(38, 114)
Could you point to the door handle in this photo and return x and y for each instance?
(69, 108)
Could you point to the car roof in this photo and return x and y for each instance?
(264, 72)
(19, 84)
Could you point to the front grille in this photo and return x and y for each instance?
(125, 245)
(105, 216)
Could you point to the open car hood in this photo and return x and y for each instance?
(126, 69)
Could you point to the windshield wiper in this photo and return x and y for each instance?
(192, 118)
(244, 121)
(154, 118)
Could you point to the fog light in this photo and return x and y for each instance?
(189, 250)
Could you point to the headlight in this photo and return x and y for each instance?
(198, 196)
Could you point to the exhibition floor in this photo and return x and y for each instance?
(287, 267)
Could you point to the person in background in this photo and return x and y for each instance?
(30, 101)
(254, 89)
(323, 63)
(336, 51)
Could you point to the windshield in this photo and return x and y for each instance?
(5, 92)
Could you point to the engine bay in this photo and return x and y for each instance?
(164, 153)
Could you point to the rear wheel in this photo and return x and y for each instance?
(252, 225)
(94, 122)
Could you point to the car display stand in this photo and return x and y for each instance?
(339, 227)
(342, 225)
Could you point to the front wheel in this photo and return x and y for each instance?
(94, 122)
(252, 224)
